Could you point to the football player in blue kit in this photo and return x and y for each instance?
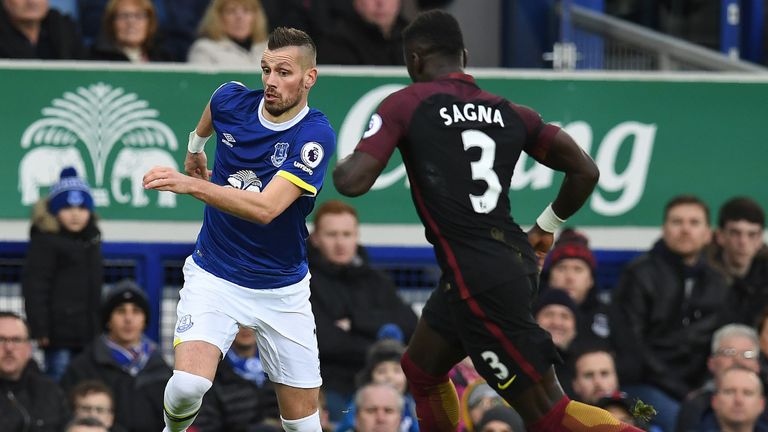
(249, 267)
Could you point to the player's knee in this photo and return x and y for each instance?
(416, 375)
(310, 423)
(184, 392)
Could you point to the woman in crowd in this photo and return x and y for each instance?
(232, 33)
(128, 33)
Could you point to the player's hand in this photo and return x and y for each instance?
(196, 165)
(168, 179)
(541, 242)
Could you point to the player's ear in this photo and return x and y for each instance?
(464, 57)
(310, 77)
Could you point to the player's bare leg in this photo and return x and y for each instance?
(194, 369)
(426, 364)
(298, 408)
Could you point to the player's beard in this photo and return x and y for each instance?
(282, 105)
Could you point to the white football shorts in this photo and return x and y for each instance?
(211, 308)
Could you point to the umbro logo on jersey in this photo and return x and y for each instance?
(228, 139)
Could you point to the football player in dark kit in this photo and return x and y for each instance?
(460, 145)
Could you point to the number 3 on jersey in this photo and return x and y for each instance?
(483, 170)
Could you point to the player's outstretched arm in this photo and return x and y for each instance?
(260, 207)
(355, 174)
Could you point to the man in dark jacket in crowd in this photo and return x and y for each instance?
(126, 361)
(63, 272)
(29, 29)
(665, 309)
(740, 253)
(370, 36)
(353, 303)
(29, 401)
(241, 398)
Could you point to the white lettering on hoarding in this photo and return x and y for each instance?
(629, 184)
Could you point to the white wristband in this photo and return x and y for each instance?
(548, 220)
(196, 142)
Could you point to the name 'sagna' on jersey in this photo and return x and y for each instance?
(471, 112)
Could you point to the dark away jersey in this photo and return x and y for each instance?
(460, 145)
(250, 152)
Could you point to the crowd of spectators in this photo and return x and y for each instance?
(684, 330)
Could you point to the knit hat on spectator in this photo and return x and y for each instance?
(555, 296)
(69, 191)
(125, 291)
(503, 414)
(571, 244)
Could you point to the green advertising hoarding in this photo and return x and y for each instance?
(652, 137)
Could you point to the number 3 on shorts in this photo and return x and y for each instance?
(499, 369)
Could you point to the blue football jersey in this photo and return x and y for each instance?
(250, 152)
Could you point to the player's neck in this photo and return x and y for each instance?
(285, 116)
(440, 70)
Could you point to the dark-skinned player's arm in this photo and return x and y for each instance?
(355, 174)
(581, 175)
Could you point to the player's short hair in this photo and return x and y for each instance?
(435, 32)
(741, 208)
(685, 200)
(87, 387)
(282, 37)
(333, 207)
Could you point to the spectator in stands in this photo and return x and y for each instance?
(762, 332)
(741, 254)
(352, 302)
(383, 367)
(738, 402)
(63, 273)
(477, 399)
(124, 359)
(86, 424)
(570, 266)
(500, 418)
(128, 33)
(594, 375)
(241, 395)
(232, 33)
(29, 401)
(371, 36)
(665, 309)
(557, 313)
(378, 408)
(29, 29)
(91, 398)
(732, 345)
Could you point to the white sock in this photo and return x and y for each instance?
(311, 423)
(182, 399)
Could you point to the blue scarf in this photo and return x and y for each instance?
(133, 359)
(248, 368)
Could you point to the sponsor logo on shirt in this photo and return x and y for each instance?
(245, 180)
